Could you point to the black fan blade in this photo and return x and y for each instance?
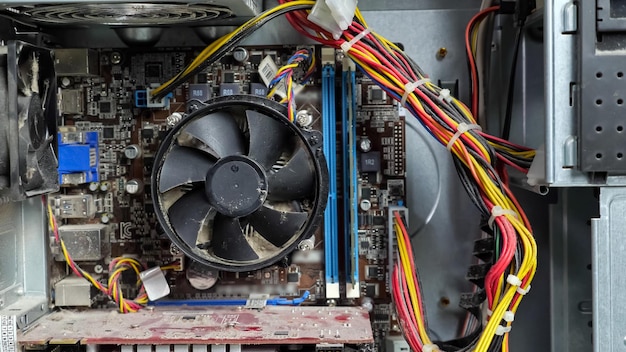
(187, 215)
(220, 132)
(228, 240)
(278, 227)
(268, 138)
(294, 181)
(183, 165)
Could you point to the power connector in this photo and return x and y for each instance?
(333, 15)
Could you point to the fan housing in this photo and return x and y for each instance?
(237, 186)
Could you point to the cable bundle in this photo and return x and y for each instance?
(116, 268)
(303, 57)
(478, 158)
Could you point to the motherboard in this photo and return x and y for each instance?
(110, 134)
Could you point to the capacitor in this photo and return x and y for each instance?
(94, 186)
(104, 186)
(365, 205)
(241, 54)
(116, 58)
(65, 82)
(133, 186)
(133, 151)
(365, 145)
(201, 277)
(105, 218)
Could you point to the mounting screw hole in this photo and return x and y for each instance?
(620, 128)
(444, 302)
(620, 155)
(598, 101)
(620, 101)
(598, 74)
(588, 266)
(599, 156)
(620, 74)
(598, 128)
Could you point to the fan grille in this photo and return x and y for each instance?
(122, 14)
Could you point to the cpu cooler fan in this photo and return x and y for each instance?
(237, 186)
(28, 164)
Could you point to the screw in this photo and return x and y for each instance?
(442, 52)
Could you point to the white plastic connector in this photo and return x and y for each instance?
(462, 128)
(333, 15)
(537, 170)
(430, 348)
(513, 280)
(155, 283)
(522, 291)
(342, 11)
(322, 16)
(497, 211)
(410, 87)
(501, 330)
(509, 316)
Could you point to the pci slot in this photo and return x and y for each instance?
(391, 232)
(331, 236)
(351, 226)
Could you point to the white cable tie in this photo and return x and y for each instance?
(345, 46)
(430, 348)
(498, 211)
(501, 330)
(514, 280)
(412, 86)
(445, 95)
(460, 130)
(489, 312)
(509, 316)
(522, 291)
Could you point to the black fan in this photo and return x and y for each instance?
(28, 163)
(238, 185)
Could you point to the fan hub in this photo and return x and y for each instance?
(236, 186)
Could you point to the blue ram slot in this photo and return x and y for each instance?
(351, 227)
(331, 241)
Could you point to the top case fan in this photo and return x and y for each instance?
(237, 185)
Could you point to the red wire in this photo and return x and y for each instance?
(470, 55)
(407, 318)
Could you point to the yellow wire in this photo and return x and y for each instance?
(213, 47)
(411, 284)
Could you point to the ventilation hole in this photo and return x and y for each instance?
(620, 101)
(598, 101)
(598, 128)
(599, 156)
(620, 74)
(598, 74)
(620, 155)
(620, 128)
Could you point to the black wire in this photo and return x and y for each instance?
(223, 50)
(506, 129)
